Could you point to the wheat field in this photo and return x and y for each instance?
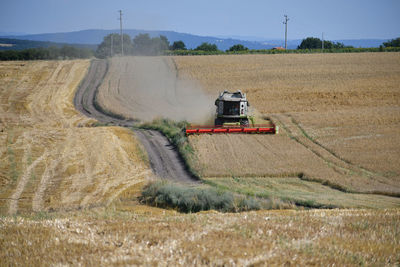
(300, 82)
(51, 157)
(68, 193)
(155, 237)
(339, 117)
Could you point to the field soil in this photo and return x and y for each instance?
(339, 118)
(51, 158)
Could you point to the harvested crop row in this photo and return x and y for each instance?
(48, 160)
(313, 237)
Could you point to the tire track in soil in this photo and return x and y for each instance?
(21, 184)
(164, 159)
(294, 130)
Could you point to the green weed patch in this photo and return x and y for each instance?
(194, 199)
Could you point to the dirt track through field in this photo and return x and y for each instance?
(164, 159)
(145, 88)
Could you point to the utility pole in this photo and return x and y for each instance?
(122, 38)
(285, 22)
(322, 42)
(112, 43)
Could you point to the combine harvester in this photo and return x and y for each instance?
(232, 116)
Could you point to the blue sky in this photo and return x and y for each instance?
(339, 19)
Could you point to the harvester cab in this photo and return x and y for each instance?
(232, 109)
(232, 116)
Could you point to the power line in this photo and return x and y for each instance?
(285, 22)
(120, 25)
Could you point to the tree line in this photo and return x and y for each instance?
(44, 53)
(145, 45)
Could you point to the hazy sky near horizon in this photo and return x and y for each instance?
(340, 19)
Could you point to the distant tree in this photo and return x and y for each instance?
(238, 47)
(54, 52)
(141, 44)
(316, 43)
(338, 45)
(178, 45)
(144, 45)
(84, 52)
(104, 49)
(128, 45)
(207, 47)
(159, 45)
(392, 43)
(164, 42)
(310, 43)
(114, 40)
(66, 52)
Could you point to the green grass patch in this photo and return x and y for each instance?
(301, 191)
(196, 198)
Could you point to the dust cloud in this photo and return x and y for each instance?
(146, 88)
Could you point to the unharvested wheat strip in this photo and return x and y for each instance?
(21, 185)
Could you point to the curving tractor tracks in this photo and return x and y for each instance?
(165, 161)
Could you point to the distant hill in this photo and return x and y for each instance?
(17, 44)
(293, 43)
(12, 33)
(363, 42)
(95, 37)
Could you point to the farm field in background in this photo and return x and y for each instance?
(298, 83)
(339, 116)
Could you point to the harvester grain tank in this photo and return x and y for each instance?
(232, 116)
